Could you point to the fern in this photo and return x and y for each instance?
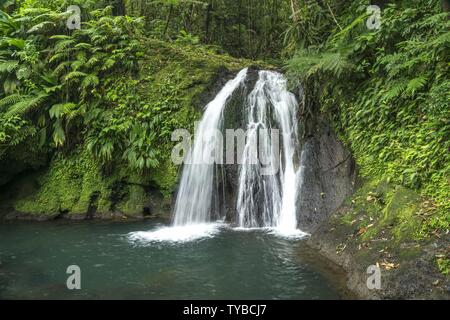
(12, 99)
(395, 90)
(64, 44)
(74, 75)
(90, 80)
(26, 104)
(61, 109)
(109, 63)
(416, 84)
(8, 66)
(40, 26)
(309, 64)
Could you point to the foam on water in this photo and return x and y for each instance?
(293, 234)
(176, 234)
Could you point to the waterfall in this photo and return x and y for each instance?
(270, 200)
(193, 205)
(267, 192)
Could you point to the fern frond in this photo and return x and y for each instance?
(11, 99)
(58, 56)
(416, 84)
(90, 80)
(396, 89)
(26, 105)
(64, 44)
(61, 109)
(41, 26)
(108, 64)
(60, 68)
(74, 75)
(8, 66)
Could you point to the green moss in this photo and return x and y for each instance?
(66, 187)
(165, 178)
(382, 210)
(443, 265)
(400, 213)
(136, 198)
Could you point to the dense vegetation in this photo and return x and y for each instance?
(109, 95)
(100, 103)
(388, 94)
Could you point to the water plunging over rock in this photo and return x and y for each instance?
(264, 199)
(269, 200)
(193, 205)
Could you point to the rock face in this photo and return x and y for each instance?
(328, 174)
(235, 118)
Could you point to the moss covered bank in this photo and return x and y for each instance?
(173, 80)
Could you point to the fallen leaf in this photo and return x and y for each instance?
(361, 231)
(340, 248)
(389, 265)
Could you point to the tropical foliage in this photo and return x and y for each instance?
(58, 84)
(388, 92)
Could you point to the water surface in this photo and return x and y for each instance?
(115, 264)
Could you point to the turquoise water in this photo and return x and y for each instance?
(227, 264)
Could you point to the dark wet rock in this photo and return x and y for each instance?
(328, 176)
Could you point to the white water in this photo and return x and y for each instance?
(176, 234)
(265, 201)
(195, 193)
(270, 200)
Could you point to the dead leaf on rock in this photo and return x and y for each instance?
(389, 265)
(340, 248)
(361, 231)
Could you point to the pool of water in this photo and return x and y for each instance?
(140, 260)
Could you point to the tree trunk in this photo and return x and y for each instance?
(169, 17)
(208, 21)
(118, 8)
(445, 5)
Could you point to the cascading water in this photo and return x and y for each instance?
(264, 200)
(267, 187)
(195, 193)
(270, 200)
